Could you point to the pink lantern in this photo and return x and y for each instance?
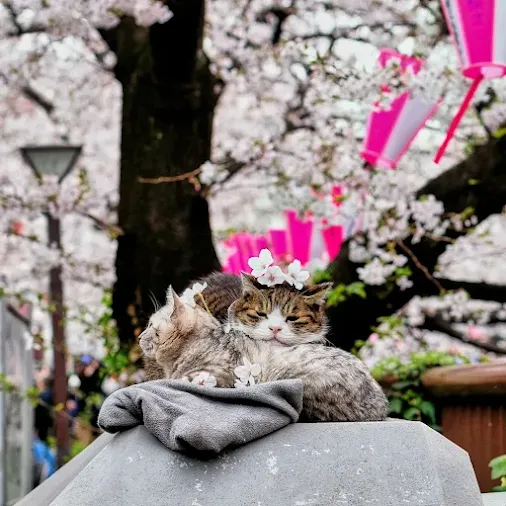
(248, 246)
(478, 28)
(261, 243)
(333, 239)
(235, 263)
(278, 239)
(389, 133)
(299, 236)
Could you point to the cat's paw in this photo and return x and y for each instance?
(147, 342)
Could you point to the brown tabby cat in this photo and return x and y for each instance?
(280, 314)
(186, 341)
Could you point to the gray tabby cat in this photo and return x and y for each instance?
(186, 341)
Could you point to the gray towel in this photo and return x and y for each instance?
(192, 418)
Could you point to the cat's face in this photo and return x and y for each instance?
(281, 314)
(169, 327)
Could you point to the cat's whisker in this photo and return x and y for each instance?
(154, 301)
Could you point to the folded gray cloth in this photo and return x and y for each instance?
(192, 418)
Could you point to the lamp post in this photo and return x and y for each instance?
(58, 161)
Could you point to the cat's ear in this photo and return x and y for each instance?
(249, 283)
(317, 294)
(172, 300)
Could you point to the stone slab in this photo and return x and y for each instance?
(494, 499)
(352, 464)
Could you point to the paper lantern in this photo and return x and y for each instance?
(261, 243)
(278, 239)
(333, 238)
(235, 263)
(478, 28)
(299, 236)
(390, 132)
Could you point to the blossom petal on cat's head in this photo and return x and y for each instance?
(296, 276)
(272, 276)
(260, 263)
(188, 297)
(199, 287)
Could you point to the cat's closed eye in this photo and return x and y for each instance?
(292, 318)
(256, 314)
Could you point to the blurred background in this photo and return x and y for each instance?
(147, 143)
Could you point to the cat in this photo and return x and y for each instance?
(280, 314)
(296, 316)
(187, 341)
(222, 290)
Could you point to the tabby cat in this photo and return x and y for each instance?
(186, 341)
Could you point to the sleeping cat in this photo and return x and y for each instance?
(186, 341)
(280, 314)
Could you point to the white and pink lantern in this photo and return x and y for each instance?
(390, 132)
(478, 28)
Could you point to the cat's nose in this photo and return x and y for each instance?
(275, 330)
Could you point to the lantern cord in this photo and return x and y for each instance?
(458, 118)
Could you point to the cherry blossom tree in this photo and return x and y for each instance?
(290, 84)
(301, 79)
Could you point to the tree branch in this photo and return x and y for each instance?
(482, 291)
(436, 323)
(36, 97)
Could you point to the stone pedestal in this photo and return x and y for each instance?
(352, 464)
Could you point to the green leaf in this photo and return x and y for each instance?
(428, 409)
(498, 466)
(396, 405)
(357, 288)
(412, 414)
(401, 385)
(500, 132)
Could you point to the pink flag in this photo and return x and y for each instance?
(299, 236)
(390, 132)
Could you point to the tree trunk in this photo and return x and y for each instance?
(168, 105)
(479, 182)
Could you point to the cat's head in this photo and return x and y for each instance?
(169, 328)
(280, 313)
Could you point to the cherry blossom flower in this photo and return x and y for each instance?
(272, 276)
(247, 373)
(476, 334)
(373, 338)
(404, 283)
(375, 272)
(261, 263)
(204, 379)
(188, 296)
(296, 276)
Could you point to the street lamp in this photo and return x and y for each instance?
(58, 161)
